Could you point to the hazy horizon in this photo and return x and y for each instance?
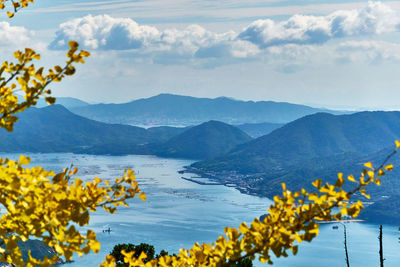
(314, 105)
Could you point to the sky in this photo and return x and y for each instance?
(335, 54)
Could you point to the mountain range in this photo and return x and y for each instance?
(56, 129)
(314, 146)
(168, 109)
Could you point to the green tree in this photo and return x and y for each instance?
(138, 249)
(149, 251)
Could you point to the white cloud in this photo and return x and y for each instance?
(375, 18)
(368, 51)
(12, 36)
(293, 41)
(104, 32)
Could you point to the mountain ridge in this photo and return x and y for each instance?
(312, 136)
(169, 109)
(56, 129)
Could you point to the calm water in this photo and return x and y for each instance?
(178, 213)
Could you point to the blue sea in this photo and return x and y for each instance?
(179, 213)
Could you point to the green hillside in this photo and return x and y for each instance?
(207, 140)
(315, 136)
(55, 129)
(314, 147)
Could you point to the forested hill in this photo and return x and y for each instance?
(167, 109)
(207, 140)
(56, 129)
(315, 136)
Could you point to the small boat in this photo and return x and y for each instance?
(107, 230)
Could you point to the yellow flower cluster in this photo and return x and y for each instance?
(42, 205)
(291, 220)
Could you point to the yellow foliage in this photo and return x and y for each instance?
(31, 81)
(37, 203)
(40, 204)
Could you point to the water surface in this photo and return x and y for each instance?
(178, 213)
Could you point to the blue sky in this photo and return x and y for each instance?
(324, 53)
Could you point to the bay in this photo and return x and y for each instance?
(179, 213)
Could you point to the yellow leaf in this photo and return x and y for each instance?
(283, 186)
(397, 144)
(142, 196)
(95, 246)
(85, 53)
(24, 160)
(340, 180)
(50, 100)
(58, 68)
(363, 192)
(389, 167)
(351, 178)
(368, 165)
(314, 231)
(73, 45)
(317, 183)
(58, 177)
(367, 196)
(58, 249)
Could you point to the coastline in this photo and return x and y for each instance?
(228, 179)
(238, 181)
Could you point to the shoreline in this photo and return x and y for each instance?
(229, 179)
(224, 180)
